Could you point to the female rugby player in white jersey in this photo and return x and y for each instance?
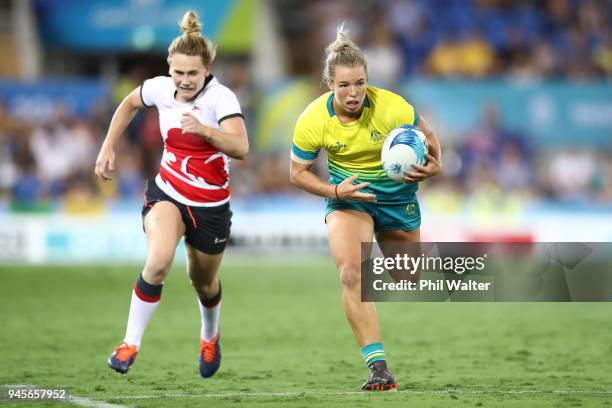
(202, 126)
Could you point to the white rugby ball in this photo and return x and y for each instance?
(404, 146)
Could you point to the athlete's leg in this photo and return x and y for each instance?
(401, 242)
(164, 228)
(390, 244)
(347, 229)
(202, 269)
(399, 236)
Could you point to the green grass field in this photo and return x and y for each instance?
(286, 343)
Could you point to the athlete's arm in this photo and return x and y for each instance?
(434, 157)
(122, 117)
(301, 176)
(232, 139)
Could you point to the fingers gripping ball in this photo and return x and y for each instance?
(404, 146)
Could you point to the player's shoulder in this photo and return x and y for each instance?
(159, 82)
(384, 96)
(390, 107)
(316, 111)
(157, 90)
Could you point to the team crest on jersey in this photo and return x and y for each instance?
(376, 136)
(337, 147)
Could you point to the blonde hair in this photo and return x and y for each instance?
(192, 42)
(344, 52)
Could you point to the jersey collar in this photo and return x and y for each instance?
(330, 108)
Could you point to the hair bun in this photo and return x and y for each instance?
(342, 41)
(190, 23)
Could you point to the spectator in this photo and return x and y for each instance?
(512, 172)
(571, 173)
(444, 58)
(475, 56)
(385, 67)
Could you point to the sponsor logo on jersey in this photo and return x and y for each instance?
(337, 147)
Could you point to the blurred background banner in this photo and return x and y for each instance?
(519, 93)
(140, 25)
(35, 101)
(556, 112)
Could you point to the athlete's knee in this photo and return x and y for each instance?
(350, 275)
(206, 289)
(157, 268)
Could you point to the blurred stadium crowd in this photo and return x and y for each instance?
(49, 165)
(458, 38)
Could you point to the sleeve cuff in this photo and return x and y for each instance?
(303, 155)
(232, 115)
(297, 159)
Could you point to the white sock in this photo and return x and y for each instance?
(138, 319)
(210, 320)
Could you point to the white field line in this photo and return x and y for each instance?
(490, 391)
(86, 402)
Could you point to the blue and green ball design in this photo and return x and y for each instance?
(404, 146)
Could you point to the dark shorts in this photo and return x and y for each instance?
(207, 229)
(387, 217)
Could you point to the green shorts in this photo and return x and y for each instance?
(387, 217)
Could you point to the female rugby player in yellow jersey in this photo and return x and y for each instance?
(350, 122)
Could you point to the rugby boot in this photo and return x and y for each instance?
(210, 356)
(123, 357)
(380, 378)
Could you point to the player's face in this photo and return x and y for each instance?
(188, 73)
(349, 87)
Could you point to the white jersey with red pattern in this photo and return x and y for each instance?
(192, 171)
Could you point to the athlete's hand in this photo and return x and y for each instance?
(190, 124)
(420, 173)
(346, 190)
(106, 159)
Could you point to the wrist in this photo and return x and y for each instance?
(206, 133)
(335, 195)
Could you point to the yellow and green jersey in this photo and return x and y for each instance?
(354, 147)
